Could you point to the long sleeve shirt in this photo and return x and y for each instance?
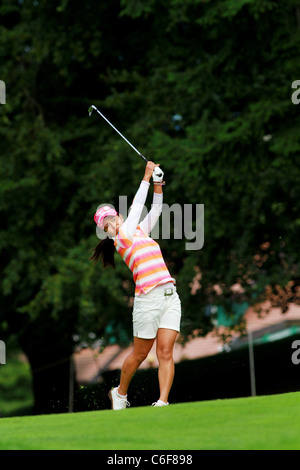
(140, 252)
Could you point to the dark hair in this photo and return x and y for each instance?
(106, 251)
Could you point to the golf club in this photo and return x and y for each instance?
(90, 110)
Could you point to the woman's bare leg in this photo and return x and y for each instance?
(141, 348)
(164, 350)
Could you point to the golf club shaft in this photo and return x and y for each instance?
(96, 109)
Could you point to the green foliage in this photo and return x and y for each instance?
(226, 68)
(15, 385)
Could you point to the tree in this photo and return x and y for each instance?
(198, 88)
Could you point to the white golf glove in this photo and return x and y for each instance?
(157, 175)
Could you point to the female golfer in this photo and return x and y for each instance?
(157, 307)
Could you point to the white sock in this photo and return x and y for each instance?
(162, 402)
(121, 396)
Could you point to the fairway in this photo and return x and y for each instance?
(267, 422)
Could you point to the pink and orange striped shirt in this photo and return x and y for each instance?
(144, 258)
(140, 252)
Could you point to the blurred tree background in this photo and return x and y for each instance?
(202, 87)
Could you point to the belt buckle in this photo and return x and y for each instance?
(168, 291)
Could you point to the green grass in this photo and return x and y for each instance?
(267, 422)
(16, 395)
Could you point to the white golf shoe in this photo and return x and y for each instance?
(117, 403)
(159, 403)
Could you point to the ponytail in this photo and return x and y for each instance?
(104, 250)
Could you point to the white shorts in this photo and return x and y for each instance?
(159, 308)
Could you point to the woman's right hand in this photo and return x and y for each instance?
(149, 170)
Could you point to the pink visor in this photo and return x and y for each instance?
(103, 212)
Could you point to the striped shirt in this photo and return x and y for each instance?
(144, 258)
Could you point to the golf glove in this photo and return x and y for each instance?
(157, 175)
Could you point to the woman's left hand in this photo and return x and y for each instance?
(158, 175)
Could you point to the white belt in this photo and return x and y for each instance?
(160, 290)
